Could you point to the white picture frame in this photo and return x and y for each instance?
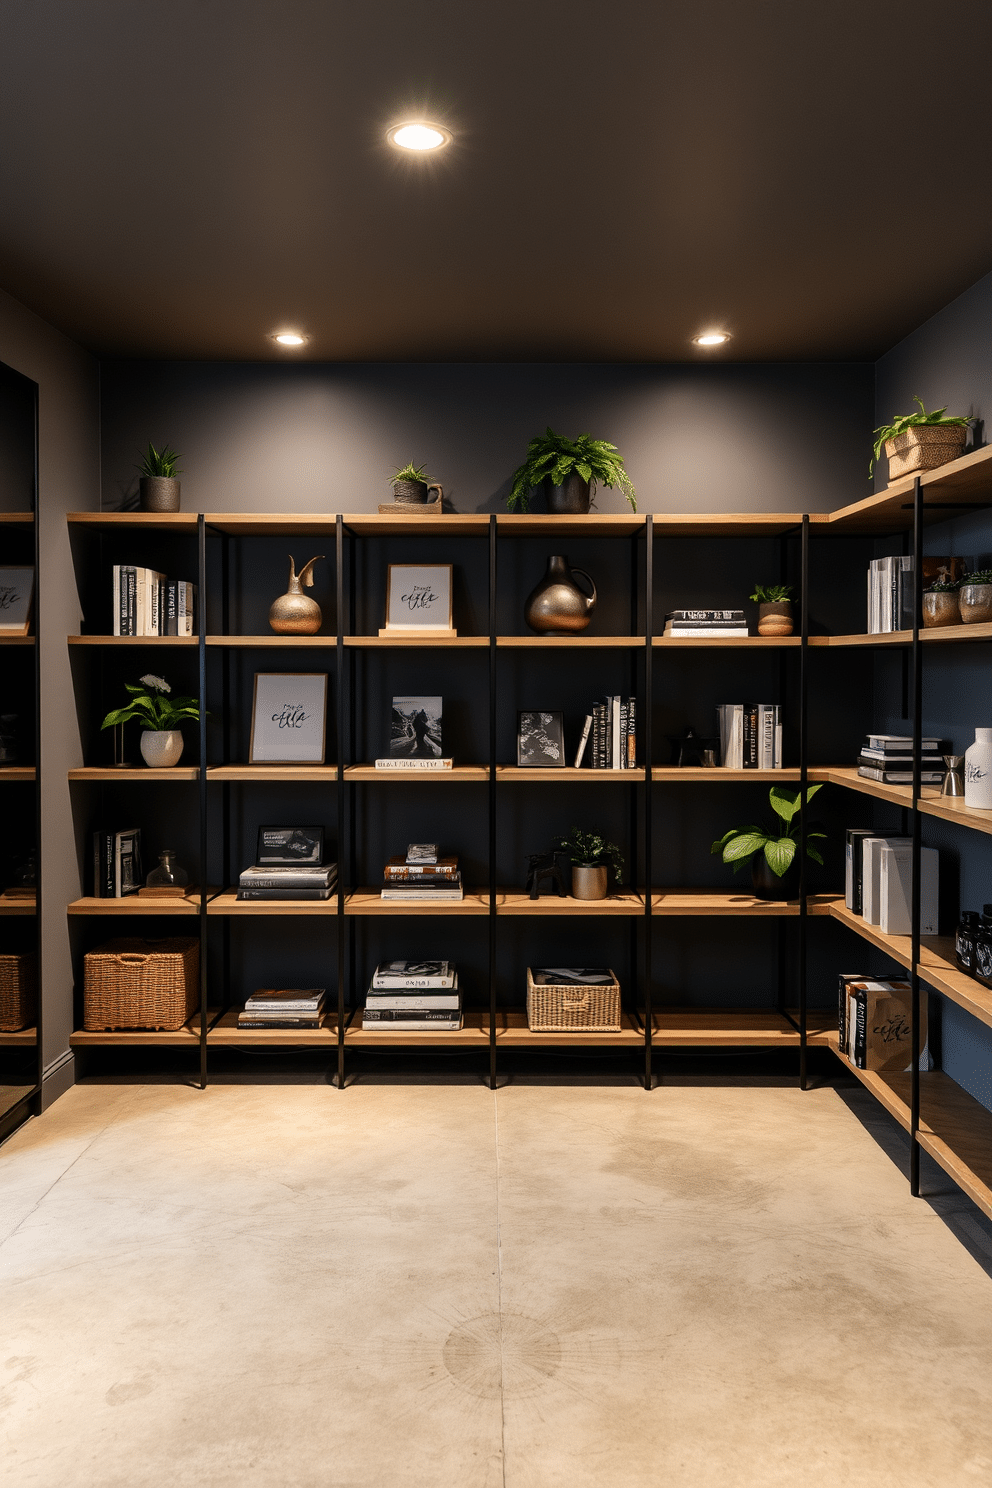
(16, 596)
(288, 718)
(418, 599)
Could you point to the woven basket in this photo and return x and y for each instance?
(924, 447)
(560, 1009)
(132, 983)
(18, 991)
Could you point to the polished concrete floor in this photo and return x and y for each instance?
(424, 1285)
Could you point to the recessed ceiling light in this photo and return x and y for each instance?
(289, 338)
(422, 136)
(711, 338)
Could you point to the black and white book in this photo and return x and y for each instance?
(414, 892)
(903, 743)
(394, 975)
(583, 741)
(288, 878)
(705, 617)
(128, 876)
(393, 1002)
(314, 894)
(899, 777)
(283, 1020)
(288, 999)
(421, 852)
(843, 984)
(405, 871)
(750, 736)
(374, 1013)
(889, 759)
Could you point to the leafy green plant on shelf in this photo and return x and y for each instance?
(948, 586)
(980, 576)
(411, 472)
(590, 850)
(152, 708)
(772, 594)
(553, 458)
(777, 843)
(159, 464)
(920, 419)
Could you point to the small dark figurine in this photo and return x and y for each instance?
(688, 747)
(541, 866)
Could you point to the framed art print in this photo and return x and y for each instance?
(415, 728)
(16, 591)
(288, 718)
(418, 598)
(289, 847)
(540, 740)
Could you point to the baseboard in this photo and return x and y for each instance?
(58, 1077)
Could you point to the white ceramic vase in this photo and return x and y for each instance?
(161, 747)
(978, 771)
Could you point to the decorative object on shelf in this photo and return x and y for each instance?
(135, 983)
(288, 718)
(557, 606)
(8, 738)
(295, 613)
(415, 728)
(774, 609)
(16, 593)
(160, 718)
(577, 999)
(26, 876)
(18, 991)
(953, 783)
(288, 847)
(919, 441)
(771, 853)
(940, 604)
(690, 749)
(412, 487)
(541, 740)
(750, 736)
(978, 771)
(975, 597)
(425, 878)
(116, 863)
(541, 866)
(705, 625)
(569, 470)
(419, 600)
(168, 881)
(158, 483)
(594, 860)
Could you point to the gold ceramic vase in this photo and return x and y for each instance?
(293, 613)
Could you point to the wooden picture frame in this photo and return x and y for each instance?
(419, 589)
(16, 599)
(288, 718)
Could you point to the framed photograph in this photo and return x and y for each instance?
(288, 718)
(540, 740)
(418, 597)
(415, 728)
(16, 593)
(290, 847)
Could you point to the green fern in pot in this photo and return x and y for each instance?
(569, 470)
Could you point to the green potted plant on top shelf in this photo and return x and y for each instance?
(158, 480)
(774, 609)
(412, 487)
(160, 717)
(772, 851)
(569, 470)
(593, 860)
(940, 603)
(920, 441)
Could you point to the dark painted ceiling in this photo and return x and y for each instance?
(180, 179)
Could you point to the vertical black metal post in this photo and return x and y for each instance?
(632, 790)
(648, 793)
(201, 612)
(917, 822)
(803, 783)
(492, 801)
(344, 875)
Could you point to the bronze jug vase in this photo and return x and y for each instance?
(293, 613)
(558, 606)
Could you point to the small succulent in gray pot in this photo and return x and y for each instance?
(412, 487)
(593, 861)
(975, 597)
(158, 480)
(940, 604)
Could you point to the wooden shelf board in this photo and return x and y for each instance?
(285, 774)
(17, 519)
(676, 1027)
(188, 1037)
(112, 640)
(932, 803)
(282, 642)
(934, 635)
(405, 640)
(369, 902)
(967, 479)
(595, 525)
(567, 642)
(716, 775)
(514, 902)
(108, 521)
(365, 773)
(10, 774)
(388, 524)
(135, 772)
(692, 902)
(20, 907)
(512, 1033)
(228, 903)
(726, 524)
(17, 640)
(226, 1033)
(272, 524)
(474, 1034)
(728, 643)
(566, 775)
(132, 904)
(24, 1038)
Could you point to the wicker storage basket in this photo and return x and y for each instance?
(571, 1009)
(132, 983)
(18, 991)
(924, 447)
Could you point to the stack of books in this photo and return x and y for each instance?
(891, 593)
(750, 736)
(298, 881)
(414, 996)
(704, 625)
(146, 603)
(874, 1021)
(287, 1007)
(889, 759)
(610, 735)
(422, 874)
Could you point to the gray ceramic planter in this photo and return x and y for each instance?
(159, 493)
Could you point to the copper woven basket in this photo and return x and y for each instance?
(18, 991)
(561, 1008)
(133, 983)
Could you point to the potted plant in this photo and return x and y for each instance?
(412, 487)
(593, 859)
(975, 597)
(158, 483)
(771, 852)
(920, 441)
(774, 609)
(940, 603)
(569, 470)
(159, 716)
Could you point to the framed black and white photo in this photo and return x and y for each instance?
(285, 847)
(16, 590)
(540, 740)
(288, 718)
(418, 597)
(415, 728)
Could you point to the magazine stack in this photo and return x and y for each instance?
(415, 997)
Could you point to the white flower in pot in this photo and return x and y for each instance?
(593, 860)
(160, 717)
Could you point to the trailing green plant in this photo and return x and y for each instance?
(903, 421)
(552, 457)
(150, 706)
(779, 846)
(944, 586)
(160, 463)
(980, 576)
(412, 472)
(589, 850)
(772, 594)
